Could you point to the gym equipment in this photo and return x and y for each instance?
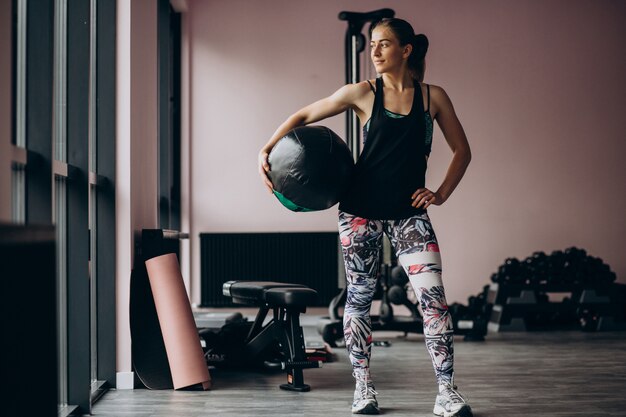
(355, 43)
(520, 293)
(180, 336)
(224, 341)
(149, 354)
(471, 320)
(398, 287)
(572, 265)
(282, 335)
(399, 276)
(310, 168)
(397, 292)
(331, 327)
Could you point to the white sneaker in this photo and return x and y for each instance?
(451, 403)
(365, 398)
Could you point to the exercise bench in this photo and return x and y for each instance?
(283, 331)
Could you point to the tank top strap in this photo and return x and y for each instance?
(378, 98)
(418, 100)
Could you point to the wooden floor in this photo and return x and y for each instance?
(508, 375)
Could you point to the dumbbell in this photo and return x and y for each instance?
(605, 274)
(459, 312)
(557, 262)
(575, 253)
(398, 276)
(386, 310)
(397, 295)
(509, 271)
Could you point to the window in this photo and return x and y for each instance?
(169, 35)
(63, 166)
(18, 137)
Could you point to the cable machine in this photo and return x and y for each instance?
(355, 43)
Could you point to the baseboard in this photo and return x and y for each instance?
(125, 380)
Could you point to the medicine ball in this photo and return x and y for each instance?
(310, 168)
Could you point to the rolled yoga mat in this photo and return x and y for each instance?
(182, 343)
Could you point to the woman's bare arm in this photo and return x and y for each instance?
(455, 136)
(347, 97)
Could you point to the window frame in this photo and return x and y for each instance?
(57, 128)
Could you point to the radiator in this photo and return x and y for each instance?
(311, 259)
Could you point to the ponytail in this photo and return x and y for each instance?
(417, 57)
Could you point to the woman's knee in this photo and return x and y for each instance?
(423, 268)
(359, 296)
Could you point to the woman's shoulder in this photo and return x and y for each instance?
(363, 87)
(355, 91)
(370, 84)
(437, 93)
(439, 99)
(435, 90)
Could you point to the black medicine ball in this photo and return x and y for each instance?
(310, 168)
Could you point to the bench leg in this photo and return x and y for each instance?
(297, 354)
(257, 326)
(284, 329)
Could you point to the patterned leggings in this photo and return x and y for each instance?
(416, 248)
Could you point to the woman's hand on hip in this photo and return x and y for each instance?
(423, 197)
(264, 168)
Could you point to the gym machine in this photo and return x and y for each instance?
(355, 43)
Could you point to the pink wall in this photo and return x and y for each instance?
(538, 87)
(5, 112)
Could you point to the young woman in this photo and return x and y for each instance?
(388, 195)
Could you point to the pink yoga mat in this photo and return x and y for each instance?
(180, 335)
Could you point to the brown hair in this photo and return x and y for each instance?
(406, 35)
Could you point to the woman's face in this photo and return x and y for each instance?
(386, 52)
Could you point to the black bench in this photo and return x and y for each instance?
(283, 331)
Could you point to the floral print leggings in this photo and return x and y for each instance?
(415, 245)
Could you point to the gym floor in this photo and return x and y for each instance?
(510, 374)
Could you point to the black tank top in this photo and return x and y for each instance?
(392, 164)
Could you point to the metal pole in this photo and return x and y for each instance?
(355, 136)
(354, 45)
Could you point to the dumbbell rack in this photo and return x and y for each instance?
(522, 307)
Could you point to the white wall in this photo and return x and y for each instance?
(5, 111)
(537, 85)
(136, 159)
